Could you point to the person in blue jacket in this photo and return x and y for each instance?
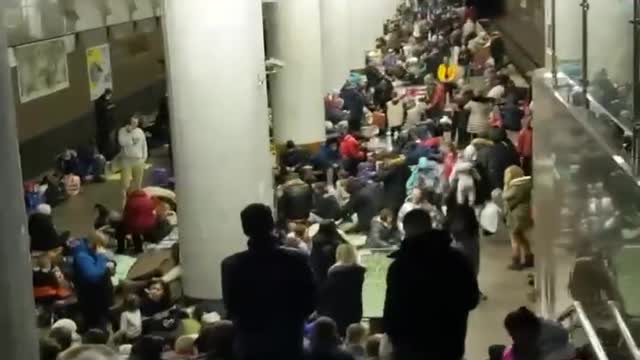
(92, 278)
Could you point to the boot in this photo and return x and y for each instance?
(516, 265)
(529, 261)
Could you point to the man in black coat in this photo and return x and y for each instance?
(431, 288)
(296, 200)
(394, 175)
(365, 202)
(502, 155)
(105, 124)
(268, 292)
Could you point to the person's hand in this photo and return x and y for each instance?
(111, 266)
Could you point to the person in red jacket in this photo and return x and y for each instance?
(436, 106)
(351, 154)
(525, 147)
(138, 219)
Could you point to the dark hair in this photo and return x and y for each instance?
(521, 323)
(290, 144)
(372, 347)
(62, 336)
(132, 302)
(149, 347)
(49, 349)
(95, 337)
(165, 289)
(216, 339)
(257, 220)
(417, 222)
(386, 214)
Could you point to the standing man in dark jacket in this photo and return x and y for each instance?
(431, 288)
(268, 292)
(105, 124)
(501, 155)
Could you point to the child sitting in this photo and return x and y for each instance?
(130, 322)
(355, 340)
(49, 284)
(372, 347)
(465, 175)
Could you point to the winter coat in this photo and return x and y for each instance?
(426, 312)
(350, 148)
(501, 155)
(323, 251)
(424, 175)
(525, 141)
(479, 117)
(43, 234)
(380, 235)
(394, 181)
(139, 214)
(366, 203)
(268, 293)
(483, 154)
(340, 296)
(517, 204)
(395, 113)
(296, 201)
(92, 278)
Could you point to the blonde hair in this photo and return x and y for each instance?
(346, 254)
(513, 172)
(97, 238)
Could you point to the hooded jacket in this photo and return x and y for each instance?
(517, 203)
(431, 288)
(91, 277)
(424, 175)
(501, 155)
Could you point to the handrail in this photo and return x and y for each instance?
(624, 330)
(590, 331)
(584, 321)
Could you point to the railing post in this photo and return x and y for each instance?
(635, 84)
(585, 50)
(554, 56)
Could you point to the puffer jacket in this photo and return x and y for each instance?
(517, 204)
(424, 175)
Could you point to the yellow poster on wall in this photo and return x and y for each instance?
(99, 68)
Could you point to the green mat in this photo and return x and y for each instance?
(375, 283)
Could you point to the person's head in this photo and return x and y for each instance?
(386, 216)
(325, 332)
(134, 122)
(372, 348)
(95, 337)
(290, 145)
(158, 291)
(513, 172)
(96, 240)
(257, 221)
(131, 302)
(107, 94)
(216, 339)
(346, 254)
(149, 347)
(49, 349)
(417, 196)
(89, 352)
(356, 334)
(62, 336)
(450, 147)
(416, 223)
(185, 345)
(522, 325)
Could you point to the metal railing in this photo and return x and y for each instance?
(624, 331)
(585, 324)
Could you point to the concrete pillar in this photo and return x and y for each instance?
(335, 43)
(296, 90)
(17, 307)
(218, 101)
(356, 33)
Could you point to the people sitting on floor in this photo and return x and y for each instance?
(325, 204)
(268, 315)
(382, 233)
(365, 201)
(92, 271)
(49, 283)
(297, 238)
(85, 162)
(295, 200)
(42, 232)
(325, 342)
(293, 158)
(130, 322)
(351, 153)
(340, 296)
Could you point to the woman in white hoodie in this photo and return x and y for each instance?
(133, 156)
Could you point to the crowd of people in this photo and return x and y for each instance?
(418, 163)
